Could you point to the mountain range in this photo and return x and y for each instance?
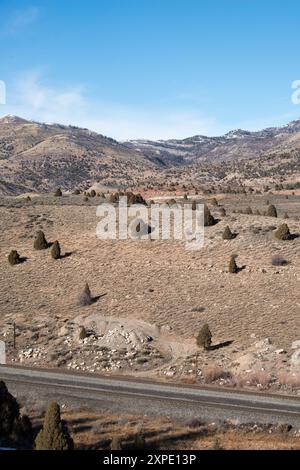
(41, 157)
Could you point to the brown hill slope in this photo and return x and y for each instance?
(39, 157)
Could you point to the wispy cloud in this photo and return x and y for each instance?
(31, 98)
(20, 19)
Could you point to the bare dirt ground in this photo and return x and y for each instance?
(154, 296)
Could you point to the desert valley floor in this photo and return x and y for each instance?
(152, 297)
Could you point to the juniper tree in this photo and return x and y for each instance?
(85, 297)
(14, 257)
(227, 234)
(203, 339)
(53, 435)
(55, 250)
(82, 333)
(208, 217)
(116, 443)
(233, 268)
(58, 193)
(283, 232)
(271, 212)
(40, 242)
(93, 193)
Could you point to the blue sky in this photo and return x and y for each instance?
(151, 68)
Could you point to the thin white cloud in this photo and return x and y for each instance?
(21, 19)
(32, 99)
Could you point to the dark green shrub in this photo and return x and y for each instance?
(82, 333)
(55, 250)
(40, 242)
(208, 218)
(85, 297)
(233, 268)
(227, 234)
(14, 258)
(58, 193)
(203, 339)
(271, 212)
(283, 232)
(53, 435)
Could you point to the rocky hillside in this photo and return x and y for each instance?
(39, 157)
(234, 144)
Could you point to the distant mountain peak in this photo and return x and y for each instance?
(12, 119)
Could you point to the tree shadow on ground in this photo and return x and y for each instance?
(214, 347)
(66, 254)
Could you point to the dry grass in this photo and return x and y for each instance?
(92, 430)
(157, 282)
(213, 372)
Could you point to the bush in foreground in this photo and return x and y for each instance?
(53, 435)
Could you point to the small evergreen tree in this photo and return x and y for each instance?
(283, 232)
(208, 218)
(194, 205)
(82, 333)
(58, 193)
(116, 443)
(14, 258)
(203, 339)
(233, 268)
(53, 435)
(93, 193)
(40, 242)
(248, 211)
(227, 234)
(85, 297)
(271, 212)
(55, 250)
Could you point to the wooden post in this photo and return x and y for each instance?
(14, 327)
